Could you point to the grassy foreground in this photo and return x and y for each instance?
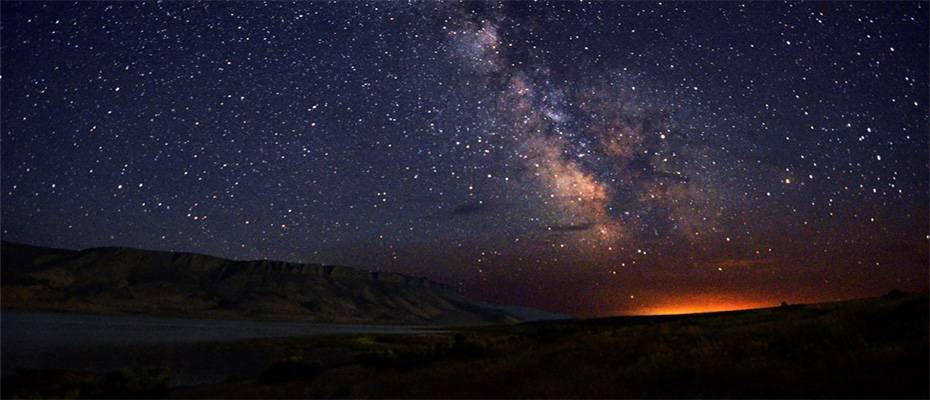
(863, 348)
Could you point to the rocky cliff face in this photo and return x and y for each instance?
(122, 280)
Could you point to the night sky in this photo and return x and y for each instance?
(590, 158)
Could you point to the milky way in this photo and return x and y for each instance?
(594, 158)
(601, 157)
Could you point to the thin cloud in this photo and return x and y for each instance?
(570, 228)
(743, 262)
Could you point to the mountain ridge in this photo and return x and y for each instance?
(117, 280)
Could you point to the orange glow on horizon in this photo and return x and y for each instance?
(702, 304)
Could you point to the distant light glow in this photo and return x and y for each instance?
(702, 304)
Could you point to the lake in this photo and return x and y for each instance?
(102, 343)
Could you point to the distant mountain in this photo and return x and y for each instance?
(124, 280)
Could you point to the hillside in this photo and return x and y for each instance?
(867, 348)
(123, 280)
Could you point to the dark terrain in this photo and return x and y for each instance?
(102, 343)
(864, 348)
(131, 281)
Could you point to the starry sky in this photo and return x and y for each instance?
(588, 158)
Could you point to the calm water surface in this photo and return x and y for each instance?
(102, 343)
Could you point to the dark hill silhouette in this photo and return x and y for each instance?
(125, 280)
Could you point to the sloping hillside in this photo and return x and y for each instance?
(122, 280)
